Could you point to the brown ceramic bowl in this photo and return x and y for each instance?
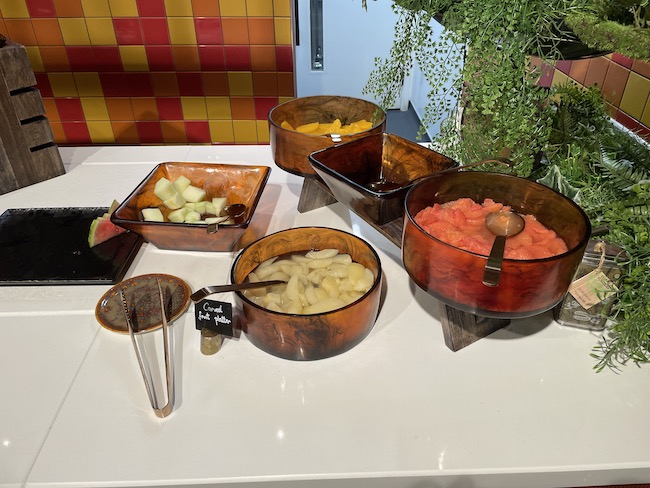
(352, 171)
(238, 183)
(291, 149)
(307, 337)
(454, 276)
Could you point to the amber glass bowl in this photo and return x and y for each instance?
(291, 149)
(307, 337)
(238, 183)
(353, 169)
(454, 276)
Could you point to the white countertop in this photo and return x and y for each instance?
(522, 407)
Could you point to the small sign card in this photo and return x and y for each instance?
(215, 316)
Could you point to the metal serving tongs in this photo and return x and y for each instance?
(144, 366)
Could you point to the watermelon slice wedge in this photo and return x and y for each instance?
(102, 229)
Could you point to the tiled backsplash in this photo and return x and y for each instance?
(204, 71)
(156, 71)
(624, 83)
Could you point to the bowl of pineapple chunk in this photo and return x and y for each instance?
(329, 303)
(307, 124)
(173, 206)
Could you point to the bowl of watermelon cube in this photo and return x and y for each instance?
(177, 201)
(303, 125)
(446, 243)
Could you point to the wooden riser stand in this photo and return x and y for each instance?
(459, 328)
(28, 154)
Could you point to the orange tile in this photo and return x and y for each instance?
(119, 109)
(205, 8)
(68, 8)
(21, 31)
(596, 72)
(55, 58)
(235, 30)
(47, 32)
(125, 132)
(265, 84)
(641, 67)
(144, 109)
(286, 85)
(186, 58)
(164, 84)
(51, 112)
(215, 84)
(242, 108)
(578, 70)
(614, 84)
(173, 131)
(57, 131)
(263, 58)
(261, 30)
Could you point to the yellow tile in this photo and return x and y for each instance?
(645, 118)
(282, 8)
(74, 31)
(260, 8)
(178, 8)
(123, 8)
(63, 84)
(34, 55)
(282, 28)
(218, 107)
(96, 8)
(559, 78)
(232, 8)
(134, 58)
(221, 131)
(88, 84)
(245, 131)
(181, 30)
(263, 135)
(101, 132)
(94, 108)
(14, 9)
(194, 108)
(101, 31)
(240, 83)
(635, 95)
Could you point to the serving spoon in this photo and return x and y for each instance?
(199, 295)
(502, 225)
(228, 212)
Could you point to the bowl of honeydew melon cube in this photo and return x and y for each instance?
(172, 207)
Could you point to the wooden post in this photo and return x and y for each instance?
(27, 150)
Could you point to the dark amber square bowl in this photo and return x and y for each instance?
(351, 169)
(238, 183)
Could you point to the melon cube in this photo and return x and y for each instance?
(152, 215)
(193, 194)
(164, 189)
(181, 183)
(219, 203)
(200, 207)
(192, 216)
(177, 215)
(177, 201)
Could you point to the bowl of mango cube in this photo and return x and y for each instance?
(304, 125)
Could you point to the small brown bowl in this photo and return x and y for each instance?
(350, 169)
(238, 183)
(307, 337)
(291, 149)
(454, 276)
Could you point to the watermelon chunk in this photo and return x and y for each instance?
(102, 229)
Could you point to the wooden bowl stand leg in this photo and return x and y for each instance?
(459, 328)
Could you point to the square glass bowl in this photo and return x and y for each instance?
(372, 175)
(238, 183)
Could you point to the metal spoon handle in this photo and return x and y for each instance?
(492, 272)
(209, 290)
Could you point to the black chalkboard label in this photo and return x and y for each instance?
(214, 315)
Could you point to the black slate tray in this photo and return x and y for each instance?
(49, 246)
